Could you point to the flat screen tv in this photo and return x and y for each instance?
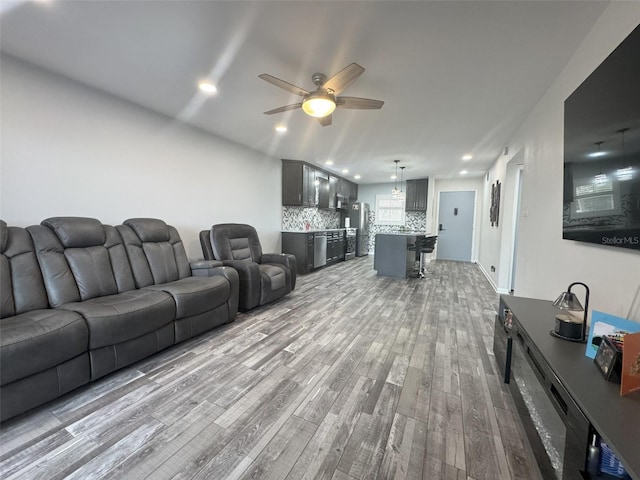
(601, 201)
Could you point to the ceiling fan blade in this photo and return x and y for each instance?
(359, 103)
(325, 121)
(286, 108)
(343, 78)
(289, 87)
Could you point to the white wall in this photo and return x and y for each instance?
(69, 150)
(546, 263)
(367, 192)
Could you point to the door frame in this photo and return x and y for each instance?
(516, 228)
(513, 182)
(474, 258)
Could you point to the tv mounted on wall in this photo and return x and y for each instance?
(601, 201)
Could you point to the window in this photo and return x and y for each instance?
(389, 210)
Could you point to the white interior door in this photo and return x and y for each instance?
(455, 225)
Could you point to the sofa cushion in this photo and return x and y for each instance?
(76, 232)
(149, 229)
(195, 295)
(77, 273)
(4, 235)
(235, 241)
(273, 275)
(35, 341)
(117, 318)
(21, 285)
(154, 262)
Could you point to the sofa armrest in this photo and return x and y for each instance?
(285, 259)
(250, 282)
(203, 268)
(231, 274)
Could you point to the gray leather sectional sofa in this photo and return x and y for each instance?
(80, 299)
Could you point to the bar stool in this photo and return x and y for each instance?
(425, 245)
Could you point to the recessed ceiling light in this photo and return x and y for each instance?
(463, 172)
(281, 128)
(467, 157)
(393, 177)
(357, 177)
(208, 87)
(329, 162)
(345, 170)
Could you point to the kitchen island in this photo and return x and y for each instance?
(395, 253)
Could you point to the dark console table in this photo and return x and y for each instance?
(555, 378)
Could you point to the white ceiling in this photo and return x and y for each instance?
(456, 77)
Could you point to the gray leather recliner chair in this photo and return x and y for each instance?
(264, 277)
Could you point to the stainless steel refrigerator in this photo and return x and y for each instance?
(359, 218)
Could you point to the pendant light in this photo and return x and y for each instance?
(395, 193)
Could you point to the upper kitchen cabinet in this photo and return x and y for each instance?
(333, 191)
(348, 189)
(303, 185)
(353, 191)
(298, 184)
(416, 200)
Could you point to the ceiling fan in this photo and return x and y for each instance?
(324, 100)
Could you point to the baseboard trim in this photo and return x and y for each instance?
(489, 279)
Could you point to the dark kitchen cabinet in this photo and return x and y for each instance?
(304, 185)
(298, 184)
(292, 183)
(352, 191)
(331, 249)
(348, 189)
(335, 246)
(309, 186)
(340, 245)
(333, 191)
(300, 245)
(416, 199)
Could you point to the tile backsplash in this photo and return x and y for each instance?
(294, 218)
(415, 221)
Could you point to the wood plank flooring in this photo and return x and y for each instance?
(352, 376)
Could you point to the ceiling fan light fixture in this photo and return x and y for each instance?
(319, 104)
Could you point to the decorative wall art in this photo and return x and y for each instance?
(494, 211)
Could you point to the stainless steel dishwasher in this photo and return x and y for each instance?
(319, 249)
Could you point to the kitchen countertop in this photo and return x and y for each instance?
(315, 230)
(406, 234)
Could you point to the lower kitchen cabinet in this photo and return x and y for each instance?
(301, 244)
(335, 247)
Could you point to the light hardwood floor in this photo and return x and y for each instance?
(351, 376)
